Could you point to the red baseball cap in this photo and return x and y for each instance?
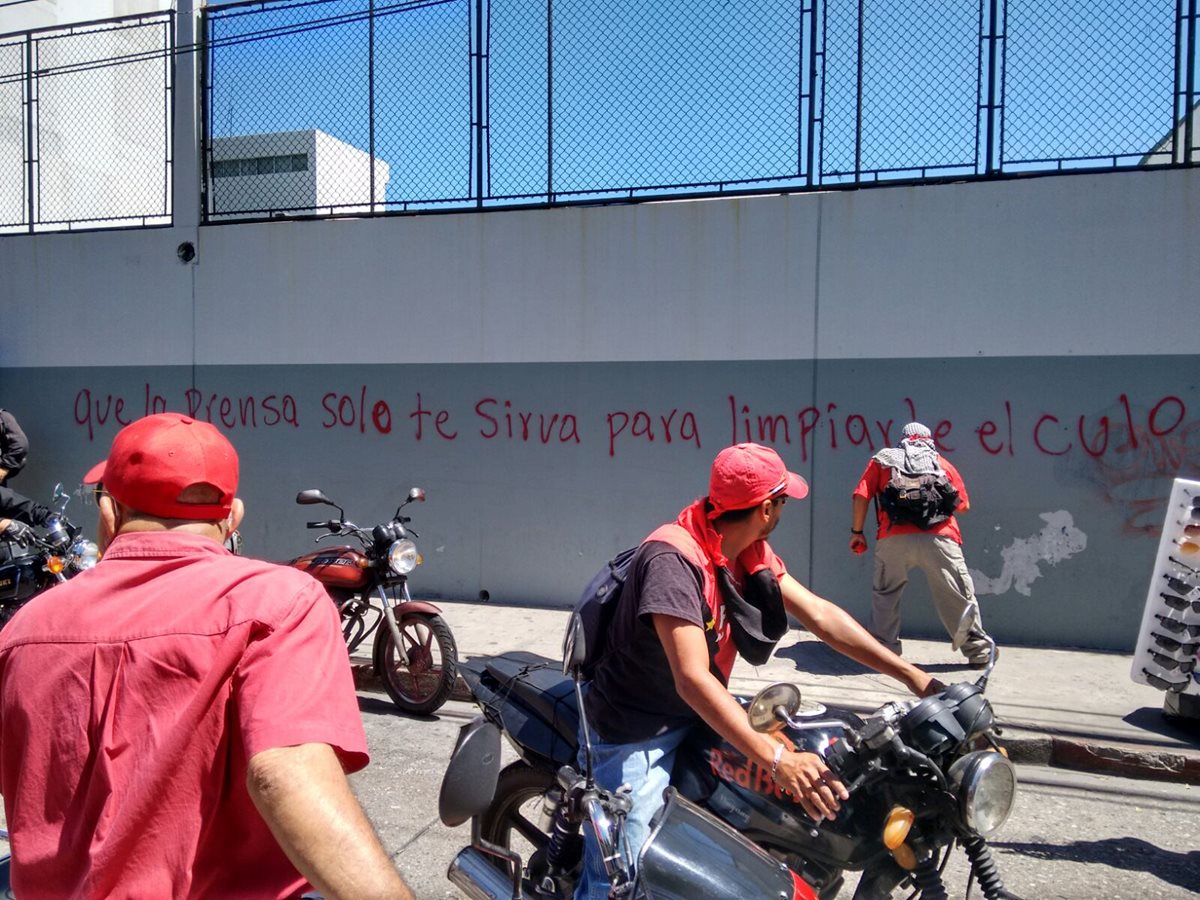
(746, 474)
(155, 459)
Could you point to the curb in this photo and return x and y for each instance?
(1061, 753)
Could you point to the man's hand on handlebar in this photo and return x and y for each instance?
(806, 778)
(15, 531)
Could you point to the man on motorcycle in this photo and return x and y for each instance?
(178, 721)
(17, 513)
(673, 642)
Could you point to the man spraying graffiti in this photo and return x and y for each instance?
(917, 493)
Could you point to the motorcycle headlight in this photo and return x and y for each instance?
(403, 557)
(986, 784)
(84, 555)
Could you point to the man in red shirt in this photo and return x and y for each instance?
(178, 721)
(935, 549)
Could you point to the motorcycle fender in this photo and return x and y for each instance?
(691, 853)
(416, 606)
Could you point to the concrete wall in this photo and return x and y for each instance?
(1040, 324)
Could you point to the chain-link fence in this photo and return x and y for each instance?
(85, 125)
(329, 107)
(375, 105)
(1086, 83)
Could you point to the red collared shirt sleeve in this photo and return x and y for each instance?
(294, 684)
(871, 482)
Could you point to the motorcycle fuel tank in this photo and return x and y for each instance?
(715, 774)
(20, 579)
(336, 567)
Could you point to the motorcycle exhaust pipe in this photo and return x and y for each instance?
(475, 874)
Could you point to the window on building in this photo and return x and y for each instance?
(260, 165)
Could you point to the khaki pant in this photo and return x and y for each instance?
(941, 559)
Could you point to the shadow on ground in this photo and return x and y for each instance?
(1128, 853)
(817, 658)
(1151, 719)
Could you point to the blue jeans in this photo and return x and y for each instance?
(646, 767)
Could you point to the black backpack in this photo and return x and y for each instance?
(924, 499)
(598, 604)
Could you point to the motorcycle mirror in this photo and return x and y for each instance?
(312, 497)
(60, 494)
(574, 645)
(470, 780)
(416, 494)
(764, 710)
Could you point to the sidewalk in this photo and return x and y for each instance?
(1074, 709)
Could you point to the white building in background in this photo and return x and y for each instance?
(293, 173)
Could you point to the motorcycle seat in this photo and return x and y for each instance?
(539, 686)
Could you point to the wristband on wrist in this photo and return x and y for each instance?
(853, 531)
(778, 757)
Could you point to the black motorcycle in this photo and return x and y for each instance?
(689, 853)
(923, 776)
(42, 558)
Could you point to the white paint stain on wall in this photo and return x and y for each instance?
(1058, 540)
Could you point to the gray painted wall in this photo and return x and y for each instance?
(987, 306)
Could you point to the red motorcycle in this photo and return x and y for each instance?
(414, 653)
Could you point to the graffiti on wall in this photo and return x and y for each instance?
(1133, 454)
(1161, 431)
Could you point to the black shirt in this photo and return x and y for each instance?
(14, 446)
(19, 507)
(632, 696)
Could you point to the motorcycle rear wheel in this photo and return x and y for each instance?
(426, 682)
(511, 820)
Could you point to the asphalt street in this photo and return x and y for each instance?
(1073, 836)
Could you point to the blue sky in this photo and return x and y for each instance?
(671, 92)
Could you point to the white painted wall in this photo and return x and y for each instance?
(1057, 266)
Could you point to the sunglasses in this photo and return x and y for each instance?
(1187, 545)
(1163, 684)
(1179, 586)
(1179, 603)
(1173, 645)
(1176, 627)
(1185, 666)
(1189, 569)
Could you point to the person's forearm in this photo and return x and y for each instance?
(842, 632)
(715, 705)
(306, 801)
(858, 512)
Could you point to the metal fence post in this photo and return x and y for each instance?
(29, 114)
(479, 102)
(993, 79)
(858, 99)
(810, 150)
(371, 97)
(1190, 98)
(549, 101)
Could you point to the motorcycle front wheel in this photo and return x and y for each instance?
(425, 683)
